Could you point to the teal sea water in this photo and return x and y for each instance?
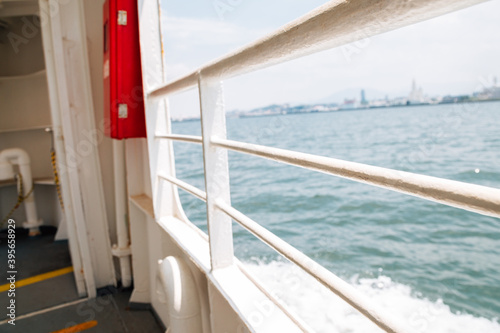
(438, 266)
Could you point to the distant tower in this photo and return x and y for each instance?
(363, 97)
(416, 94)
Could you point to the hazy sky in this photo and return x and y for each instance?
(452, 54)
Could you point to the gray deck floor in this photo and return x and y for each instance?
(53, 304)
(110, 312)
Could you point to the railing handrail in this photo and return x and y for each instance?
(481, 199)
(341, 288)
(180, 137)
(338, 286)
(476, 198)
(185, 186)
(336, 23)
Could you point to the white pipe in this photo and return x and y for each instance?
(122, 249)
(181, 293)
(6, 169)
(22, 159)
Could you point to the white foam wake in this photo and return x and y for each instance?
(325, 312)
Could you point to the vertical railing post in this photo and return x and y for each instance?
(213, 124)
(161, 156)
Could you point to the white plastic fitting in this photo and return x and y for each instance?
(181, 296)
(6, 169)
(19, 157)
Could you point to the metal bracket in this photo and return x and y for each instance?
(122, 17)
(122, 111)
(121, 252)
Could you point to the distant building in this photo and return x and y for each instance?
(399, 101)
(363, 98)
(349, 104)
(416, 95)
(379, 103)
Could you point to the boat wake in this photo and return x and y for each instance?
(323, 311)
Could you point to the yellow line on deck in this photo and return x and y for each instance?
(37, 278)
(78, 328)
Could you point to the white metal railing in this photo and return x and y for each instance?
(333, 24)
(471, 197)
(324, 276)
(185, 186)
(480, 199)
(178, 137)
(476, 198)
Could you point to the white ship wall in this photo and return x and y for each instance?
(93, 26)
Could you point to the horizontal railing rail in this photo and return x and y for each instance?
(180, 137)
(186, 187)
(341, 288)
(480, 199)
(334, 24)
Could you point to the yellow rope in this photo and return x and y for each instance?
(56, 177)
(20, 197)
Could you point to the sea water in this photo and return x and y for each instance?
(435, 267)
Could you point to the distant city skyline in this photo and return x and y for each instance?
(417, 94)
(415, 97)
(454, 54)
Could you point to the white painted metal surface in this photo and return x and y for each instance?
(186, 187)
(84, 154)
(178, 137)
(63, 135)
(77, 249)
(213, 123)
(336, 23)
(181, 296)
(140, 212)
(344, 290)
(163, 194)
(157, 117)
(122, 249)
(480, 199)
(241, 292)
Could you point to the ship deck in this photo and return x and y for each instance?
(46, 297)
